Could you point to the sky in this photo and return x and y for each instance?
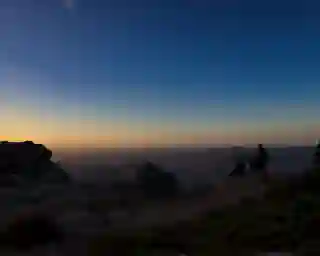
(159, 73)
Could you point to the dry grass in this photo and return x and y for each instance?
(287, 219)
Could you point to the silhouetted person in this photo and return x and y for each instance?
(261, 160)
(316, 156)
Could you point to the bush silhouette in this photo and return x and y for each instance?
(155, 182)
(239, 169)
(26, 232)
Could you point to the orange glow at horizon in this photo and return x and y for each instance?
(74, 131)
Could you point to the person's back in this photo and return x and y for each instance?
(264, 156)
(260, 161)
(316, 156)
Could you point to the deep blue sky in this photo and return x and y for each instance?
(149, 72)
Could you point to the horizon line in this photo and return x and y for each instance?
(208, 147)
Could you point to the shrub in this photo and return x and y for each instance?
(155, 182)
(26, 232)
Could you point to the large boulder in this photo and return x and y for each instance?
(28, 162)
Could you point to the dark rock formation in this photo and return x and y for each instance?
(27, 161)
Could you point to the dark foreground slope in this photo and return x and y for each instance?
(287, 219)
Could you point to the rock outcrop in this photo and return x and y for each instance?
(28, 162)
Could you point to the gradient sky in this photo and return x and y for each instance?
(144, 73)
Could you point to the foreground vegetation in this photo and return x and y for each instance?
(287, 219)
